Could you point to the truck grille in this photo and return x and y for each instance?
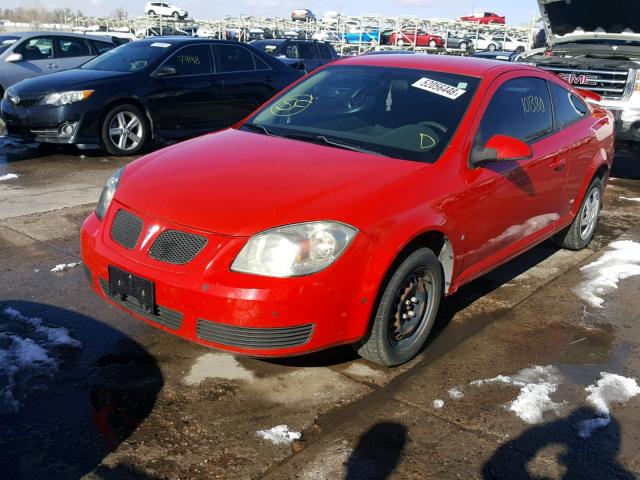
(126, 229)
(609, 84)
(256, 338)
(176, 247)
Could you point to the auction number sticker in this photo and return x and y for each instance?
(439, 88)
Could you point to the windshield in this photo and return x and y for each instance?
(400, 113)
(6, 42)
(130, 57)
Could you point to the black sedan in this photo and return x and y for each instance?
(169, 87)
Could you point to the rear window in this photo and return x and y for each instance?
(568, 108)
(102, 47)
(325, 51)
(69, 47)
(191, 60)
(234, 58)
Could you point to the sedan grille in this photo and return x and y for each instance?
(176, 247)
(255, 338)
(609, 84)
(126, 229)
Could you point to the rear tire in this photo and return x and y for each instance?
(124, 131)
(176, 16)
(433, 44)
(492, 47)
(405, 312)
(463, 46)
(151, 13)
(579, 234)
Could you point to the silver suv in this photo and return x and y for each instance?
(31, 54)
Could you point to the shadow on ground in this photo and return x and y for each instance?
(67, 422)
(378, 452)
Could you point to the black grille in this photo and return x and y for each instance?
(168, 318)
(258, 338)
(176, 247)
(126, 229)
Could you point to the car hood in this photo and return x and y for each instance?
(239, 183)
(590, 20)
(76, 78)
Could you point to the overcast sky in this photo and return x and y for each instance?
(517, 11)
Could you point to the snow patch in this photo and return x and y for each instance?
(456, 393)
(8, 176)
(610, 389)
(279, 435)
(217, 365)
(438, 404)
(27, 350)
(630, 199)
(537, 384)
(603, 275)
(61, 267)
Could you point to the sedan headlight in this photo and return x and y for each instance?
(294, 250)
(65, 98)
(108, 192)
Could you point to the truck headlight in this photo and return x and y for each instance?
(294, 250)
(108, 192)
(65, 98)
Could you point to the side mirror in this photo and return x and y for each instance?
(500, 148)
(165, 71)
(13, 58)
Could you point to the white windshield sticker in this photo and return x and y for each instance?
(439, 88)
(161, 45)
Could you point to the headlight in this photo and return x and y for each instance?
(294, 250)
(108, 192)
(65, 98)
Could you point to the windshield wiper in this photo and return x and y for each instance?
(322, 139)
(259, 128)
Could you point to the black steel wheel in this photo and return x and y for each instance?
(406, 310)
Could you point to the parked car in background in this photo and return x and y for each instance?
(31, 54)
(311, 53)
(343, 210)
(419, 38)
(164, 9)
(514, 44)
(303, 15)
(169, 87)
(484, 18)
(362, 35)
(458, 41)
(486, 42)
(503, 56)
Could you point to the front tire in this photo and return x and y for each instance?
(464, 46)
(124, 131)
(492, 47)
(151, 13)
(176, 16)
(433, 44)
(579, 234)
(405, 312)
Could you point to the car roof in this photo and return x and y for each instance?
(474, 67)
(56, 33)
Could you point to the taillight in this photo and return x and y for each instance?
(637, 88)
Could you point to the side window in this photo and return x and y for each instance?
(291, 51)
(568, 107)
(305, 50)
(72, 47)
(102, 47)
(234, 58)
(520, 108)
(325, 51)
(191, 60)
(39, 48)
(260, 63)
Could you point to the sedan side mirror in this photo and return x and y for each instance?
(13, 58)
(500, 148)
(165, 71)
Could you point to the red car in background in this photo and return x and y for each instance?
(420, 39)
(345, 208)
(484, 18)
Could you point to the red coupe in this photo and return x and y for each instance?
(484, 18)
(345, 208)
(419, 39)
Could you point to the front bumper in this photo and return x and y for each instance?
(204, 302)
(69, 124)
(627, 120)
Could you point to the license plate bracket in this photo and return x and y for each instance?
(124, 286)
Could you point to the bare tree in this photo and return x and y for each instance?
(120, 13)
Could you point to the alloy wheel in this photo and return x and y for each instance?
(589, 215)
(126, 131)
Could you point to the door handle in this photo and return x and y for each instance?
(558, 164)
(51, 65)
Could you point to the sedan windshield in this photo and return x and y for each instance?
(400, 113)
(6, 42)
(130, 57)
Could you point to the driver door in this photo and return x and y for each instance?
(37, 59)
(513, 205)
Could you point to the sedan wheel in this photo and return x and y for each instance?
(151, 13)
(406, 310)
(492, 47)
(463, 46)
(433, 44)
(579, 234)
(176, 16)
(589, 214)
(124, 131)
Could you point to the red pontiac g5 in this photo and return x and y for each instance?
(345, 208)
